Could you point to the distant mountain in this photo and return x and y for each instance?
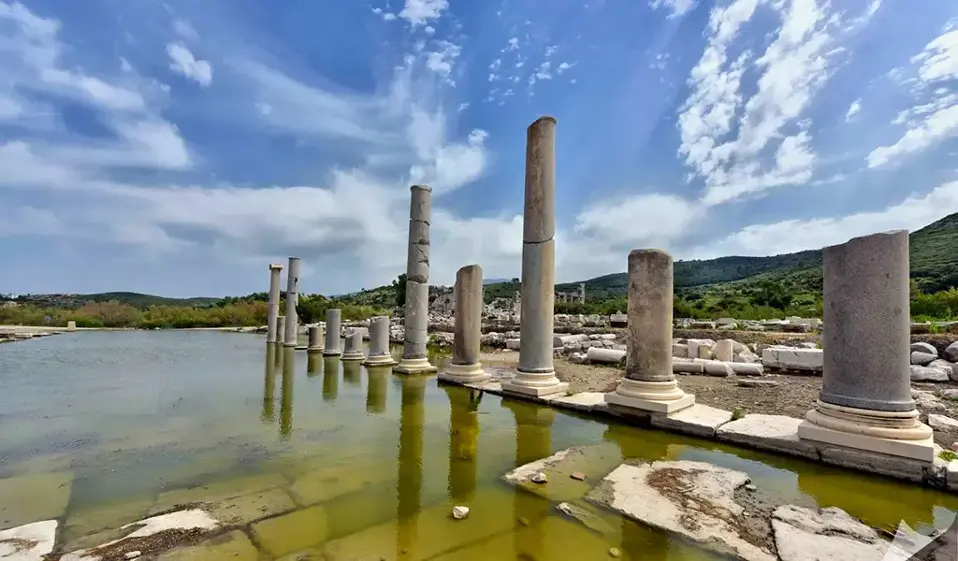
(494, 281)
(134, 299)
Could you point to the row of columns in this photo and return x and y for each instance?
(280, 329)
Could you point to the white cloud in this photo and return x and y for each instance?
(853, 110)
(183, 62)
(420, 12)
(185, 30)
(676, 8)
(934, 118)
(442, 60)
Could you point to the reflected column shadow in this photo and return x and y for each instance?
(286, 396)
(352, 372)
(463, 442)
(314, 365)
(330, 378)
(409, 486)
(377, 388)
(267, 414)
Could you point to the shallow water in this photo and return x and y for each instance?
(99, 429)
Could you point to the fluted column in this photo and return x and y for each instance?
(536, 374)
(866, 402)
(292, 298)
(464, 367)
(416, 321)
(379, 343)
(333, 318)
(272, 317)
(649, 384)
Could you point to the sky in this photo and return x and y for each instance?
(179, 147)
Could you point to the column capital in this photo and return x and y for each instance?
(275, 267)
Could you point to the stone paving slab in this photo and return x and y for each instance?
(775, 433)
(585, 401)
(593, 462)
(286, 534)
(218, 491)
(700, 420)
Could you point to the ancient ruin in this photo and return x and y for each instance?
(416, 320)
(866, 401)
(275, 274)
(333, 332)
(464, 367)
(291, 332)
(535, 373)
(315, 336)
(379, 354)
(354, 346)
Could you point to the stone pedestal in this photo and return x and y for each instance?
(414, 355)
(535, 375)
(272, 317)
(71, 325)
(314, 340)
(865, 402)
(333, 317)
(464, 367)
(291, 332)
(649, 384)
(354, 346)
(379, 343)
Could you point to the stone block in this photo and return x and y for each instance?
(604, 356)
(594, 461)
(930, 373)
(585, 401)
(698, 420)
(892, 466)
(291, 532)
(30, 542)
(789, 358)
(775, 433)
(922, 450)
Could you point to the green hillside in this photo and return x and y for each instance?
(135, 299)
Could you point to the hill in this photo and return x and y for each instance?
(135, 299)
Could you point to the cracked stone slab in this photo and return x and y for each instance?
(698, 420)
(592, 461)
(585, 401)
(29, 542)
(775, 433)
(802, 534)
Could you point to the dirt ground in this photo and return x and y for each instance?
(792, 395)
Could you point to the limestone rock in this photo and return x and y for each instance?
(951, 352)
(802, 534)
(540, 477)
(460, 512)
(942, 423)
(922, 358)
(604, 356)
(791, 358)
(923, 347)
(930, 374)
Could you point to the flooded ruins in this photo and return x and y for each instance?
(341, 441)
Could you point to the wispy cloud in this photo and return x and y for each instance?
(183, 62)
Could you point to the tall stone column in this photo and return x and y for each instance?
(649, 384)
(464, 367)
(280, 334)
(314, 338)
(286, 397)
(333, 317)
(379, 343)
(414, 357)
(535, 374)
(292, 298)
(354, 346)
(272, 317)
(865, 402)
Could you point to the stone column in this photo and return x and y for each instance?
(379, 343)
(464, 367)
(286, 397)
(272, 317)
(280, 333)
(649, 384)
(333, 317)
(414, 357)
(314, 338)
(292, 298)
(535, 374)
(354, 346)
(865, 402)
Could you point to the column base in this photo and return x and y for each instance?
(353, 356)
(313, 350)
(883, 432)
(414, 366)
(332, 353)
(384, 360)
(536, 384)
(464, 374)
(289, 345)
(653, 397)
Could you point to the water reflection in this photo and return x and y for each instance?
(286, 397)
(533, 442)
(330, 378)
(411, 423)
(352, 372)
(267, 415)
(376, 390)
(463, 442)
(314, 365)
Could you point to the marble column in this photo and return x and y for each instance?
(292, 298)
(275, 274)
(379, 343)
(314, 339)
(649, 384)
(865, 402)
(286, 395)
(464, 367)
(280, 333)
(333, 317)
(414, 354)
(354, 346)
(535, 375)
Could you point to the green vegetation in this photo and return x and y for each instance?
(947, 455)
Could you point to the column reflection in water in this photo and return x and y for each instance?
(352, 372)
(463, 442)
(330, 378)
(286, 396)
(376, 390)
(314, 365)
(269, 385)
(533, 442)
(411, 423)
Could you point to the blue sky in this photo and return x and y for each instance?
(178, 147)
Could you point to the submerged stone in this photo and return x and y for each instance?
(155, 533)
(326, 484)
(218, 491)
(28, 498)
(249, 508)
(592, 462)
(297, 530)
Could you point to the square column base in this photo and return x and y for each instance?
(534, 391)
(415, 366)
(651, 405)
(921, 450)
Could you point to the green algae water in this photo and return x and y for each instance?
(311, 458)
